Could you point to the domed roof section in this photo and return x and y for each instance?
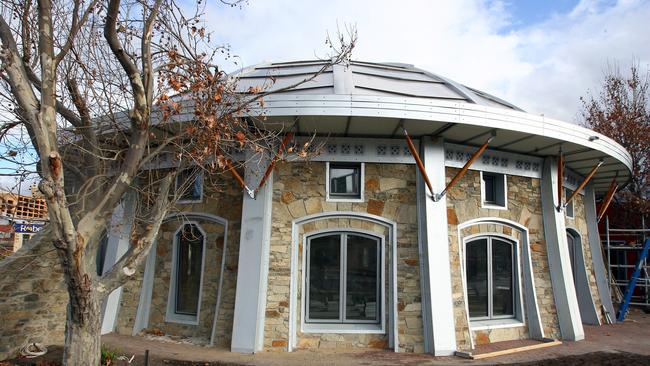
(361, 78)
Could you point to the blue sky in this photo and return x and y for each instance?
(525, 13)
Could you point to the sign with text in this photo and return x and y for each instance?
(27, 228)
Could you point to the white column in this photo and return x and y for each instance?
(559, 262)
(435, 267)
(118, 244)
(597, 253)
(253, 267)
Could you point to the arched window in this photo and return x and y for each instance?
(187, 274)
(490, 272)
(343, 278)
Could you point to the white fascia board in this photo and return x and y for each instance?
(440, 111)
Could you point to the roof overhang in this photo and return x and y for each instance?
(457, 122)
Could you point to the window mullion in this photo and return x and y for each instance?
(489, 277)
(343, 267)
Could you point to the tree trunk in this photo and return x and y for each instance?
(83, 331)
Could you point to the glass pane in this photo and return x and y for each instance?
(324, 277)
(490, 189)
(188, 275)
(362, 296)
(477, 278)
(344, 180)
(189, 181)
(502, 279)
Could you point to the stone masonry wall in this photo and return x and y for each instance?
(33, 298)
(222, 197)
(299, 190)
(523, 206)
(579, 223)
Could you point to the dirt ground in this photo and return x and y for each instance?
(619, 344)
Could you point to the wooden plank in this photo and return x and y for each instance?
(508, 351)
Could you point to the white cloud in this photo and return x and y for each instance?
(543, 68)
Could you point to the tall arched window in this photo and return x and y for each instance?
(490, 272)
(187, 273)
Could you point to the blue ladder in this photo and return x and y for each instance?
(632, 284)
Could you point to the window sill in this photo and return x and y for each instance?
(343, 328)
(495, 324)
(353, 200)
(493, 207)
(183, 202)
(182, 319)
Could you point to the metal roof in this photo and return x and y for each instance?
(361, 78)
(375, 99)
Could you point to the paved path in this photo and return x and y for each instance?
(633, 336)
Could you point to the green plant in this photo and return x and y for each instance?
(108, 356)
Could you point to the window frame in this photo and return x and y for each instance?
(199, 178)
(570, 207)
(333, 197)
(499, 321)
(500, 184)
(171, 315)
(341, 325)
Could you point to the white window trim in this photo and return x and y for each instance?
(343, 328)
(520, 317)
(362, 184)
(505, 192)
(568, 191)
(171, 315)
(199, 177)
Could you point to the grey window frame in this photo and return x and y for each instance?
(569, 210)
(500, 189)
(198, 178)
(343, 234)
(337, 197)
(171, 315)
(515, 276)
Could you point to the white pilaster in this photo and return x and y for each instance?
(253, 267)
(118, 243)
(559, 261)
(433, 238)
(597, 253)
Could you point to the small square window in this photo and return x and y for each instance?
(189, 183)
(493, 190)
(345, 181)
(569, 207)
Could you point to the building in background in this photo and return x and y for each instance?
(21, 217)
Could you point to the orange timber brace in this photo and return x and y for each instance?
(269, 169)
(582, 185)
(457, 177)
(608, 199)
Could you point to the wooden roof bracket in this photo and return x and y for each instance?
(239, 178)
(465, 168)
(584, 183)
(608, 198)
(276, 157)
(418, 161)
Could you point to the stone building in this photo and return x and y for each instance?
(353, 249)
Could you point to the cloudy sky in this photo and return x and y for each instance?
(540, 55)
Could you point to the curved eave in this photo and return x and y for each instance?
(461, 122)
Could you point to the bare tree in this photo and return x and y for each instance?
(621, 111)
(121, 95)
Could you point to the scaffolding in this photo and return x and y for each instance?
(623, 248)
